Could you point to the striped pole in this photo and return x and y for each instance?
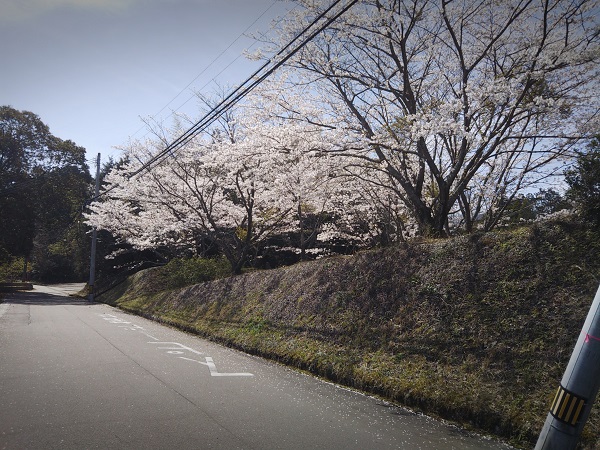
(578, 388)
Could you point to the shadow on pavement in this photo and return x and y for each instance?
(42, 299)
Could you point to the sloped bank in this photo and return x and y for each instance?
(477, 329)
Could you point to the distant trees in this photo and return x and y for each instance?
(44, 182)
(584, 182)
(532, 206)
(22, 140)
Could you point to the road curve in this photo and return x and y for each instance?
(79, 375)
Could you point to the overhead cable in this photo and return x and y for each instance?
(211, 63)
(247, 86)
(276, 61)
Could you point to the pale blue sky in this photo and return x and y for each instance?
(91, 68)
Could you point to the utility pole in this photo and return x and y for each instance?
(577, 390)
(94, 237)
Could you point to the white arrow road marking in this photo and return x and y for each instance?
(213, 369)
(215, 373)
(149, 335)
(193, 360)
(173, 348)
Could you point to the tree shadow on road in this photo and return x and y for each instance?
(42, 299)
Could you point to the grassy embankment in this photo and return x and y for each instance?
(477, 329)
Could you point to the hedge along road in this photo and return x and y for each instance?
(75, 374)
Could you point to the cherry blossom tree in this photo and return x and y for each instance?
(275, 178)
(462, 103)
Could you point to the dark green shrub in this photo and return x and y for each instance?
(181, 272)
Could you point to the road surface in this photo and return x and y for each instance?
(77, 375)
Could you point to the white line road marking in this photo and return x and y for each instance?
(126, 325)
(173, 348)
(114, 319)
(132, 327)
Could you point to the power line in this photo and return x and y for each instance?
(209, 66)
(276, 61)
(247, 86)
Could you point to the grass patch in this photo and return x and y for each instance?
(182, 272)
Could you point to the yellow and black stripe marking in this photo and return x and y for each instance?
(567, 406)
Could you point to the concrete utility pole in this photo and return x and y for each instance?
(578, 388)
(94, 235)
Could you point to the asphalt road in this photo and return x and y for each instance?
(77, 375)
